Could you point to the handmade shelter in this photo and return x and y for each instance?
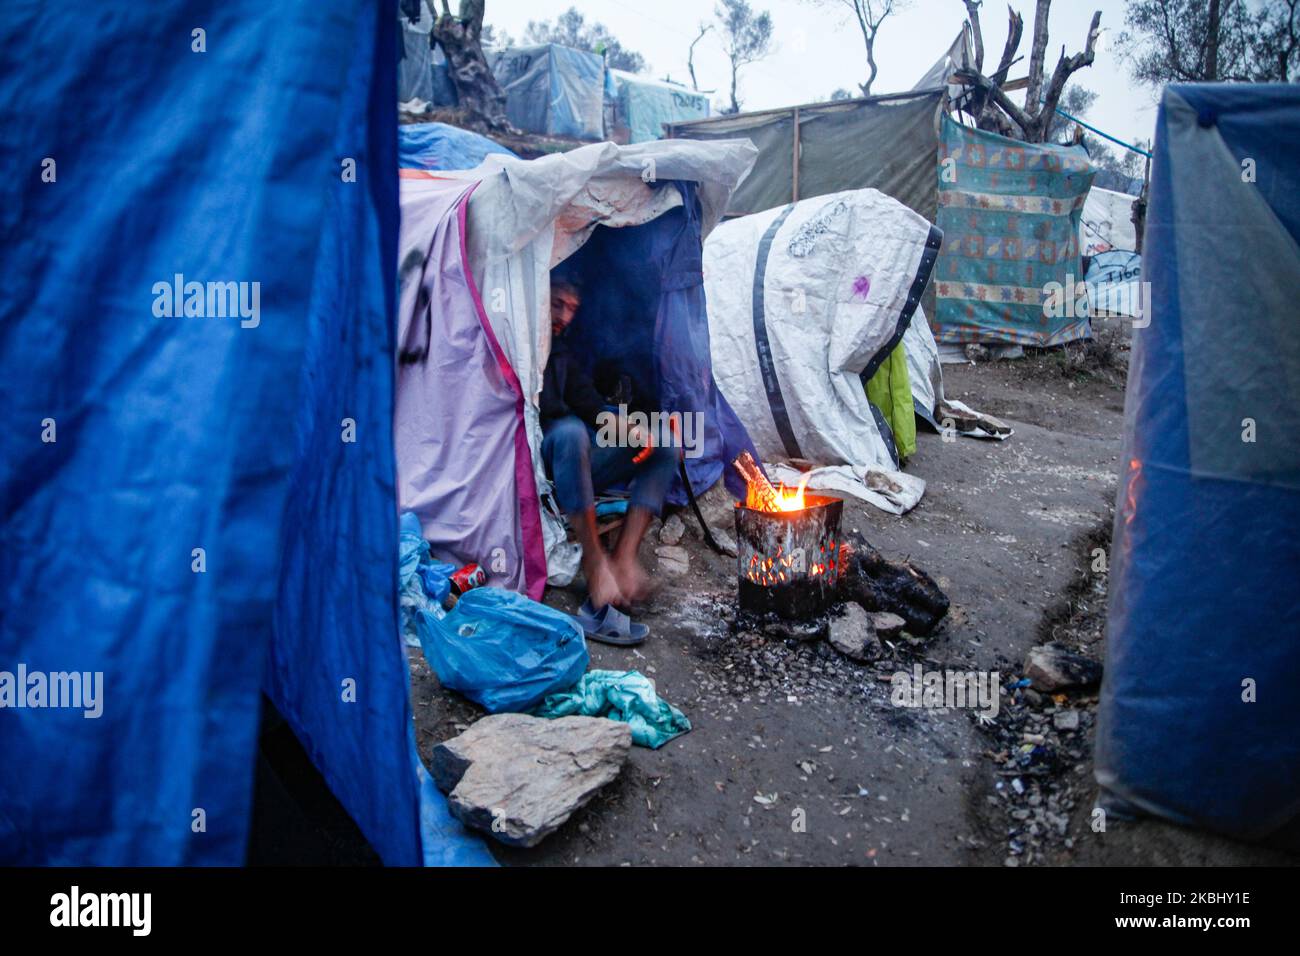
(476, 250)
(638, 108)
(553, 90)
(1198, 714)
(1010, 271)
(887, 143)
(209, 516)
(806, 303)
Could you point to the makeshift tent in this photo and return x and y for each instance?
(1199, 711)
(806, 303)
(882, 142)
(1106, 222)
(476, 252)
(415, 68)
(1108, 241)
(439, 146)
(1010, 270)
(554, 90)
(637, 107)
(208, 512)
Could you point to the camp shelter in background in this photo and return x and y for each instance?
(638, 108)
(1010, 215)
(480, 245)
(1198, 716)
(881, 142)
(553, 90)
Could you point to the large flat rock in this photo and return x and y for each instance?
(519, 778)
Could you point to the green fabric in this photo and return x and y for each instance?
(890, 390)
(627, 696)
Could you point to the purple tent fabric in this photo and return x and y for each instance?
(463, 461)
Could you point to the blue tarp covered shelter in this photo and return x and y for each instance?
(197, 476)
(554, 90)
(1199, 710)
(440, 146)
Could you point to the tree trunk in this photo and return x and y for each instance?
(1212, 43)
(1036, 56)
(481, 97)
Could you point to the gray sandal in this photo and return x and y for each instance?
(609, 625)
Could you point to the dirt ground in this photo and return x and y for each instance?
(797, 755)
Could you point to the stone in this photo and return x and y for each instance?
(1066, 720)
(853, 636)
(718, 506)
(888, 626)
(672, 531)
(725, 541)
(518, 778)
(1052, 668)
(673, 561)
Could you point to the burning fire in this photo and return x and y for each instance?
(777, 499)
(761, 496)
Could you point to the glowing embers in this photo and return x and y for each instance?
(788, 547)
(781, 568)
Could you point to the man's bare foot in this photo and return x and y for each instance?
(632, 579)
(603, 586)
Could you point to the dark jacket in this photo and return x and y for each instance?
(568, 388)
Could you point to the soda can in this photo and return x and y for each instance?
(467, 578)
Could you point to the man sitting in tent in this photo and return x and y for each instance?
(580, 466)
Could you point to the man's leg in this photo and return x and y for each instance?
(566, 451)
(649, 487)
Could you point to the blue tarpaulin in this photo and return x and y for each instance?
(439, 146)
(1199, 711)
(197, 479)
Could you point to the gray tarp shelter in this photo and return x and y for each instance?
(887, 142)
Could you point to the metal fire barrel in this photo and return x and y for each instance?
(788, 561)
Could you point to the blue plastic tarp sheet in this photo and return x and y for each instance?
(1199, 711)
(196, 367)
(439, 146)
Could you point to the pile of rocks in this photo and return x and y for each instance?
(1040, 747)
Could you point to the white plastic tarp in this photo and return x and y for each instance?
(1106, 222)
(803, 302)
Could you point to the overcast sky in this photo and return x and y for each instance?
(819, 48)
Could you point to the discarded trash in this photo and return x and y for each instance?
(503, 650)
(422, 583)
(1052, 667)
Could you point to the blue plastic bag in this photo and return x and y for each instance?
(503, 650)
(422, 583)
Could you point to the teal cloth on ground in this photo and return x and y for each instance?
(627, 696)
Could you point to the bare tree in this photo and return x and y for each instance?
(479, 93)
(690, 56)
(746, 38)
(995, 110)
(870, 16)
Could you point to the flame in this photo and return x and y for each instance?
(786, 499)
